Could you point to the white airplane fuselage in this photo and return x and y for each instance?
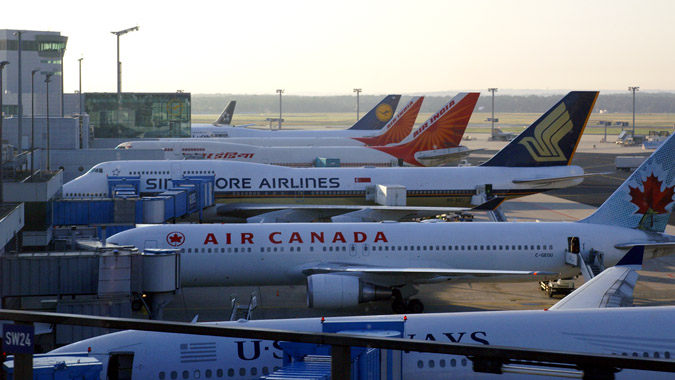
(245, 182)
(299, 155)
(281, 254)
(640, 331)
(240, 131)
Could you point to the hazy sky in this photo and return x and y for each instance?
(319, 47)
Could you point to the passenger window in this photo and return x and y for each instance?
(230, 372)
(254, 371)
(242, 371)
(197, 374)
(162, 375)
(186, 374)
(174, 375)
(207, 373)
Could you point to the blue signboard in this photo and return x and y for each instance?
(18, 339)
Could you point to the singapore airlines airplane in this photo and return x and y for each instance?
(586, 323)
(438, 138)
(538, 160)
(344, 264)
(394, 131)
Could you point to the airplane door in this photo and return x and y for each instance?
(352, 250)
(366, 250)
(120, 365)
(150, 244)
(175, 170)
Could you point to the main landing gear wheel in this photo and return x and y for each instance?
(415, 306)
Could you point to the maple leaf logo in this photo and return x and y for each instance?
(652, 200)
(175, 239)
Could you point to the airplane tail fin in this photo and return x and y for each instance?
(645, 200)
(442, 130)
(380, 115)
(225, 118)
(553, 138)
(398, 127)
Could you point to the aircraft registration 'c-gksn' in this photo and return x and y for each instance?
(435, 142)
(368, 125)
(595, 328)
(538, 160)
(344, 264)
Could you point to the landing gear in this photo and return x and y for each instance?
(400, 306)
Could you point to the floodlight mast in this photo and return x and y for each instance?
(119, 64)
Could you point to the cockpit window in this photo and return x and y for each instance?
(95, 170)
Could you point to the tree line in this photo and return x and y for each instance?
(269, 104)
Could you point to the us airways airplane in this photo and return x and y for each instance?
(394, 131)
(585, 324)
(538, 160)
(344, 264)
(436, 141)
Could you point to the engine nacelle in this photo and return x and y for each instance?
(332, 291)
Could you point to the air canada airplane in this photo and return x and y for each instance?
(435, 142)
(394, 131)
(538, 160)
(368, 125)
(344, 264)
(586, 323)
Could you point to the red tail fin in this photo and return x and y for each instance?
(398, 128)
(443, 130)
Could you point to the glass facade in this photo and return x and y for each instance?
(138, 114)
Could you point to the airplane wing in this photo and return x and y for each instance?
(266, 213)
(549, 180)
(444, 157)
(326, 268)
(613, 287)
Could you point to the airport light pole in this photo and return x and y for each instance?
(357, 91)
(119, 64)
(63, 52)
(32, 123)
(19, 102)
(493, 90)
(80, 87)
(634, 89)
(2, 116)
(280, 91)
(48, 78)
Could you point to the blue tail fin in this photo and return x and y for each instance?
(553, 138)
(380, 115)
(226, 117)
(645, 200)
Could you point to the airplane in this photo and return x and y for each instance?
(344, 264)
(394, 131)
(435, 142)
(539, 160)
(583, 322)
(369, 124)
(216, 128)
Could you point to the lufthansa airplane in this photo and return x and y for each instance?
(538, 160)
(368, 125)
(435, 142)
(394, 131)
(344, 264)
(586, 321)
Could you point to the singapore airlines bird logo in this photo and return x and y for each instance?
(544, 145)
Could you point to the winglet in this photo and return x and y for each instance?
(490, 205)
(380, 115)
(225, 118)
(633, 257)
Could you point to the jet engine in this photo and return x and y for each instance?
(338, 291)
